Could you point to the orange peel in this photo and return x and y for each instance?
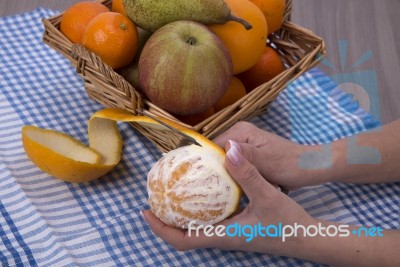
(65, 158)
(187, 184)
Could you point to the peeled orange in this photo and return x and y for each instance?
(191, 184)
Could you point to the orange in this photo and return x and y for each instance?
(273, 11)
(191, 184)
(268, 66)
(75, 19)
(236, 91)
(196, 118)
(117, 6)
(113, 37)
(245, 46)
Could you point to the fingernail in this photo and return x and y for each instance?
(233, 154)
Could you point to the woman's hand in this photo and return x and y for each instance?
(277, 159)
(267, 205)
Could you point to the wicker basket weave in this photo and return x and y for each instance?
(299, 48)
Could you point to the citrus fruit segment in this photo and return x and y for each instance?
(190, 185)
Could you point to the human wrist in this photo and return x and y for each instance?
(342, 168)
(316, 164)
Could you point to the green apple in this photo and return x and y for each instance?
(184, 68)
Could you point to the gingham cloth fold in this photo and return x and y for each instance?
(46, 222)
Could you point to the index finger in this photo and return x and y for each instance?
(241, 132)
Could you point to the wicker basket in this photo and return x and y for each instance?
(299, 48)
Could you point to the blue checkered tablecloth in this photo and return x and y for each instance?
(47, 222)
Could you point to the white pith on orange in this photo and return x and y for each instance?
(191, 184)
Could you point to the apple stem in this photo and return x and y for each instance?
(191, 41)
(247, 25)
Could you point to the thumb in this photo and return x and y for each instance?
(248, 151)
(245, 174)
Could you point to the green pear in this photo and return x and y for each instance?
(153, 14)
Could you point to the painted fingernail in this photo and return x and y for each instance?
(233, 154)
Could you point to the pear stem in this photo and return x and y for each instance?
(245, 24)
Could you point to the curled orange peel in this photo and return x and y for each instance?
(65, 158)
